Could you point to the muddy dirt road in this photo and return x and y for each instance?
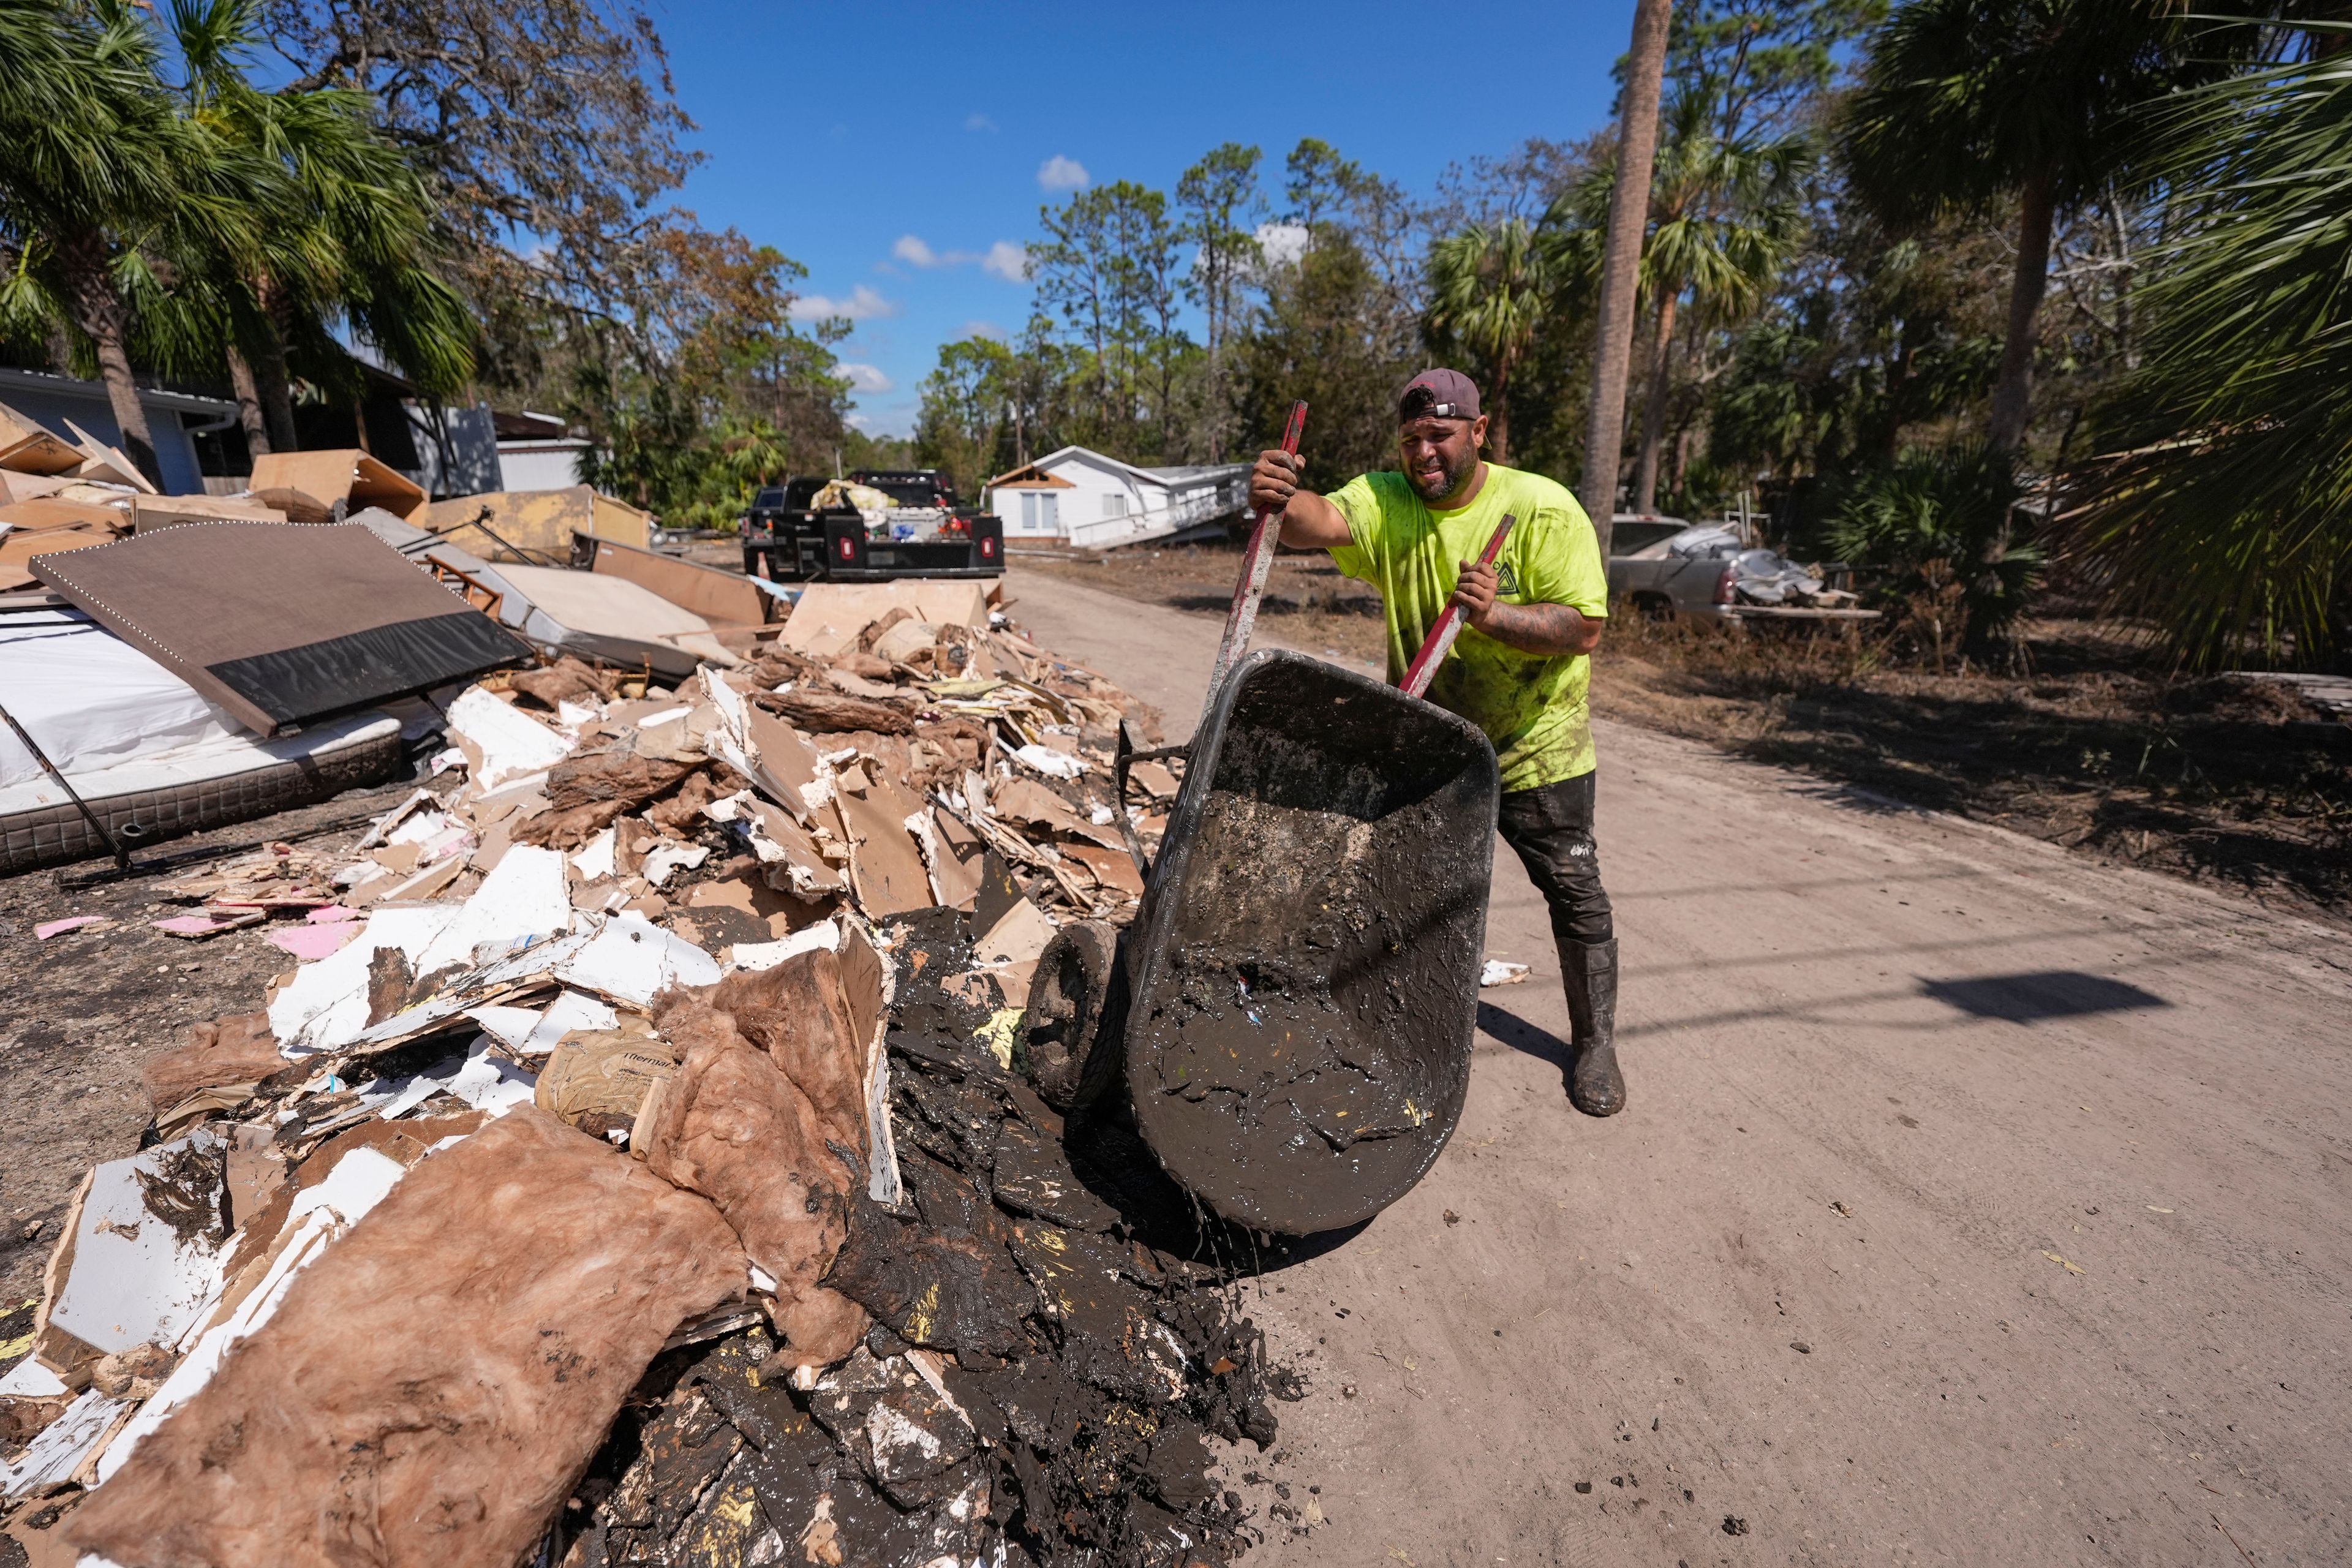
(1974, 1204)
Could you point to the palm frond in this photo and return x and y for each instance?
(2228, 516)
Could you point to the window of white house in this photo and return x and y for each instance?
(1114, 506)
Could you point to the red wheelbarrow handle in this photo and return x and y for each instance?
(1433, 653)
(1256, 562)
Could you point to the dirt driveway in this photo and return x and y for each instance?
(1975, 1202)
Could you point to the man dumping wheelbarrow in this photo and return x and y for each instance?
(1290, 1017)
(1521, 667)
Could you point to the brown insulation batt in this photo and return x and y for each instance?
(431, 1387)
(767, 1101)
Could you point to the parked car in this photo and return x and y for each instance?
(871, 526)
(1666, 567)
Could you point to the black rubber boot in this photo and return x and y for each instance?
(1588, 973)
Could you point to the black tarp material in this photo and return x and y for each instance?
(283, 624)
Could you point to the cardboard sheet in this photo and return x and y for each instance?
(830, 615)
(534, 526)
(28, 447)
(150, 512)
(722, 598)
(305, 485)
(608, 618)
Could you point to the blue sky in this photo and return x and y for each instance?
(900, 150)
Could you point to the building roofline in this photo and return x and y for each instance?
(1203, 473)
(154, 397)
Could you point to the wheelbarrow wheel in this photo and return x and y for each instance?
(1073, 1050)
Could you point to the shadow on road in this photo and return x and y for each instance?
(1521, 1036)
(2044, 994)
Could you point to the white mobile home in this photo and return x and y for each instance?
(1083, 499)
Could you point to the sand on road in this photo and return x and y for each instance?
(1974, 1203)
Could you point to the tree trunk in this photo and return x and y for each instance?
(276, 386)
(1629, 213)
(1653, 406)
(2012, 393)
(1498, 428)
(249, 403)
(99, 310)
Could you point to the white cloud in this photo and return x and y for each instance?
(979, 123)
(1282, 243)
(864, 302)
(1007, 261)
(1060, 173)
(896, 422)
(983, 330)
(1003, 259)
(866, 378)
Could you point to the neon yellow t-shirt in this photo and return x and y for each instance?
(1531, 706)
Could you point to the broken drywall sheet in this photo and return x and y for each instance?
(149, 1247)
(666, 858)
(511, 974)
(62, 1445)
(510, 1027)
(794, 863)
(824, 936)
(484, 1082)
(326, 1005)
(524, 899)
(508, 744)
(595, 859)
(632, 960)
(571, 1010)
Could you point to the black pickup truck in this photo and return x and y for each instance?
(790, 537)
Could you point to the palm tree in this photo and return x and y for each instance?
(350, 239)
(1637, 144)
(1493, 288)
(182, 225)
(1728, 216)
(2228, 517)
(100, 162)
(1966, 103)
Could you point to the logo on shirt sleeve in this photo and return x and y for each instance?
(1507, 582)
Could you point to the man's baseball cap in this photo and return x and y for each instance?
(1438, 394)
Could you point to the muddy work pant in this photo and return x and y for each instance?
(1551, 829)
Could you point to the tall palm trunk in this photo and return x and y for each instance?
(276, 386)
(1653, 406)
(248, 402)
(2012, 393)
(1498, 428)
(99, 310)
(1629, 212)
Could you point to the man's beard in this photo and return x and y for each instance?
(1447, 483)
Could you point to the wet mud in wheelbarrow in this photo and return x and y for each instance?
(1304, 973)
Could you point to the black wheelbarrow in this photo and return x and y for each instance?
(1292, 1009)
(1301, 983)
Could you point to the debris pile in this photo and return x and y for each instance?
(643, 1165)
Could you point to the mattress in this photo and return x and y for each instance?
(145, 748)
(211, 783)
